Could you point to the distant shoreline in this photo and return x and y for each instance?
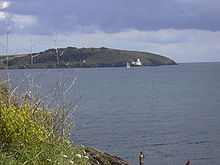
(72, 57)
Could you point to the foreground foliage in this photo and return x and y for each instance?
(29, 135)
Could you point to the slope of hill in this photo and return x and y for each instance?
(84, 57)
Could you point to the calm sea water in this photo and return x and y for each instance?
(170, 112)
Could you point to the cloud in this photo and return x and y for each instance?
(180, 45)
(13, 22)
(2, 15)
(10, 22)
(119, 15)
(185, 30)
(4, 4)
(24, 21)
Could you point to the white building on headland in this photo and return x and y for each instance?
(138, 62)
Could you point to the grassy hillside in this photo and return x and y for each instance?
(83, 57)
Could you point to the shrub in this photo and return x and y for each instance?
(30, 134)
(23, 124)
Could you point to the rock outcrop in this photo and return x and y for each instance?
(97, 157)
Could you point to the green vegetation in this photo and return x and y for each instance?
(33, 134)
(85, 57)
(30, 134)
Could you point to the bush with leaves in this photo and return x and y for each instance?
(23, 124)
(30, 134)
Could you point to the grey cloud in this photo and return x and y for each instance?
(118, 15)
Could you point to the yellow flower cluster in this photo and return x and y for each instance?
(24, 124)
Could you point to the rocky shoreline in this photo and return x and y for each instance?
(97, 157)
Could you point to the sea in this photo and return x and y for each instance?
(171, 113)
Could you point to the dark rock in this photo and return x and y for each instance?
(100, 158)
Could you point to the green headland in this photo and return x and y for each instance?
(72, 57)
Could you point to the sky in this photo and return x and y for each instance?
(183, 30)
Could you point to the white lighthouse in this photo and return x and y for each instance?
(137, 63)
